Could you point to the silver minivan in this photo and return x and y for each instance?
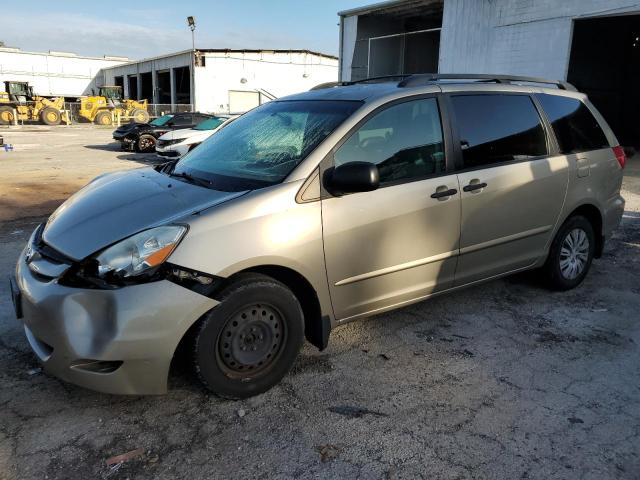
(311, 211)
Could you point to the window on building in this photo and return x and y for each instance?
(498, 128)
(574, 125)
(404, 141)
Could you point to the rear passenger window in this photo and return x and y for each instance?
(404, 141)
(498, 128)
(574, 125)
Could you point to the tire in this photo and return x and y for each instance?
(249, 342)
(6, 115)
(566, 267)
(103, 117)
(140, 116)
(50, 116)
(146, 143)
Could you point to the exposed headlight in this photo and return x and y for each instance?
(140, 253)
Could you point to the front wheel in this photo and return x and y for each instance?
(140, 116)
(571, 254)
(103, 117)
(146, 143)
(246, 344)
(50, 116)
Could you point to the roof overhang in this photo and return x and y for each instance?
(394, 7)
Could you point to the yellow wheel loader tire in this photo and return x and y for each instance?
(50, 116)
(140, 116)
(103, 118)
(6, 116)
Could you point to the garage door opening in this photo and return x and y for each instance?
(605, 64)
(163, 86)
(146, 87)
(183, 85)
(133, 86)
(403, 38)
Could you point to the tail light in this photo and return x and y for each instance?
(620, 155)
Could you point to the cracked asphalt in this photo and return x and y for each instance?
(501, 381)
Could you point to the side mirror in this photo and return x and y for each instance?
(353, 177)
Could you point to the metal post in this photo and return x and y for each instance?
(191, 21)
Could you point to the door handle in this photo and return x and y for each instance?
(474, 186)
(444, 193)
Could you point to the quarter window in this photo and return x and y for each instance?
(575, 127)
(404, 141)
(498, 128)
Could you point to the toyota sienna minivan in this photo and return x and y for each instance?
(311, 211)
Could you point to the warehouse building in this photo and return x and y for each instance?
(594, 44)
(54, 74)
(224, 81)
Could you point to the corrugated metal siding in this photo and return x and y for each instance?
(519, 37)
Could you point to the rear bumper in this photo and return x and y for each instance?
(613, 215)
(115, 341)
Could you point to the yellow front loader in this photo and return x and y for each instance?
(101, 108)
(18, 97)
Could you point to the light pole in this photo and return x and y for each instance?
(191, 21)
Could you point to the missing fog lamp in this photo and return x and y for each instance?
(140, 253)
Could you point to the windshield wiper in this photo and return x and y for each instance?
(191, 179)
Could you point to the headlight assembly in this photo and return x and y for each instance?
(140, 253)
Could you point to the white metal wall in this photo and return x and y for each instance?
(52, 74)
(518, 37)
(276, 73)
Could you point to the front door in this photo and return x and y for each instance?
(512, 189)
(398, 243)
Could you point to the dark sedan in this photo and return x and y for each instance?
(141, 137)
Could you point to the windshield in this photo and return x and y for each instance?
(210, 123)
(111, 92)
(160, 121)
(264, 145)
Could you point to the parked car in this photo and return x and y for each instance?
(176, 143)
(311, 211)
(142, 137)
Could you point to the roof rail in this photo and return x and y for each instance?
(421, 79)
(384, 78)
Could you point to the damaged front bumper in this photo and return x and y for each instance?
(117, 341)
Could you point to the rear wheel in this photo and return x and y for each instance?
(571, 254)
(146, 143)
(6, 115)
(103, 118)
(140, 116)
(50, 116)
(245, 345)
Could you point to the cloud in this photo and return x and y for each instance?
(96, 36)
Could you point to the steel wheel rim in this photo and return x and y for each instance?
(52, 116)
(574, 254)
(6, 116)
(251, 340)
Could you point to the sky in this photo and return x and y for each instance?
(144, 28)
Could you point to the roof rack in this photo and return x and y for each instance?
(384, 78)
(421, 79)
(427, 78)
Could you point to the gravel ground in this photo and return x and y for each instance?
(504, 380)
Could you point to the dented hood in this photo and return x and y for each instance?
(118, 205)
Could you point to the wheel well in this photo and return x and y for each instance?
(591, 213)
(316, 328)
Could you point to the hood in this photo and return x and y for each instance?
(179, 134)
(128, 127)
(116, 206)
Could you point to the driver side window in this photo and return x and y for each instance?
(404, 141)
